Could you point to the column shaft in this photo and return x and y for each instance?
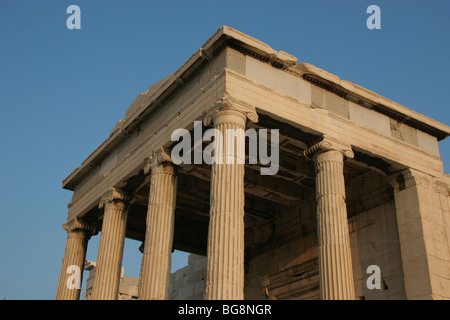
(154, 280)
(225, 264)
(73, 263)
(334, 252)
(335, 263)
(110, 251)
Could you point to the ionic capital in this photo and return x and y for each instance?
(329, 144)
(113, 195)
(229, 109)
(79, 225)
(159, 161)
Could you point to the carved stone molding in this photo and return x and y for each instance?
(329, 144)
(230, 103)
(410, 177)
(447, 178)
(113, 195)
(297, 281)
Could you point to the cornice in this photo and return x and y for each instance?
(224, 37)
(370, 100)
(229, 37)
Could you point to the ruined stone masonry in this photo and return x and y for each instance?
(360, 183)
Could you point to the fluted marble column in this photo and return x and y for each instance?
(110, 251)
(78, 235)
(335, 261)
(156, 262)
(225, 261)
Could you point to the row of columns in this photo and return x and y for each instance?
(225, 249)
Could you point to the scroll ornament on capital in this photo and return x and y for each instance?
(77, 224)
(114, 194)
(329, 144)
(229, 103)
(158, 161)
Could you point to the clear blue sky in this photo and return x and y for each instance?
(62, 91)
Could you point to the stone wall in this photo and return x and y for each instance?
(283, 245)
(282, 256)
(374, 236)
(189, 283)
(128, 286)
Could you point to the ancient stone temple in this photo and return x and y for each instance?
(326, 191)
